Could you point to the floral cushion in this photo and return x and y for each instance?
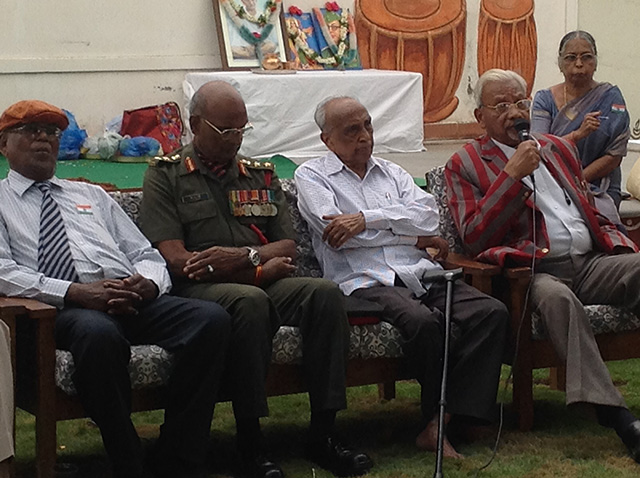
(306, 262)
(603, 318)
(150, 366)
(448, 229)
(129, 201)
(380, 340)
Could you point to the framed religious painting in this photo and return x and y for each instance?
(250, 33)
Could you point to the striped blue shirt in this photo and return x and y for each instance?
(104, 242)
(396, 212)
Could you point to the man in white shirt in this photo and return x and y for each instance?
(370, 226)
(70, 245)
(6, 402)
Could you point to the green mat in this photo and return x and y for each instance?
(130, 175)
(126, 175)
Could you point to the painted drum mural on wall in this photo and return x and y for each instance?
(507, 38)
(425, 36)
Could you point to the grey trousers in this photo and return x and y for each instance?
(479, 329)
(560, 289)
(6, 395)
(316, 306)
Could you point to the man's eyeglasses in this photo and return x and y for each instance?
(584, 57)
(231, 133)
(34, 129)
(502, 108)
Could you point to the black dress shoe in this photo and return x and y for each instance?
(173, 470)
(338, 458)
(631, 438)
(258, 466)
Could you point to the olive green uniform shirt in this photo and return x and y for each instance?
(183, 200)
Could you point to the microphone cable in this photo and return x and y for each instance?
(509, 379)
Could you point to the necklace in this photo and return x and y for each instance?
(261, 20)
(265, 21)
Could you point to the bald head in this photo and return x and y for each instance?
(330, 109)
(215, 95)
(215, 107)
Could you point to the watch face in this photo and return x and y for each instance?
(254, 257)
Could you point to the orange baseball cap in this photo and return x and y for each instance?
(32, 111)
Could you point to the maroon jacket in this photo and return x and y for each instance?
(493, 211)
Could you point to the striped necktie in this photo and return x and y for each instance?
(54, 254)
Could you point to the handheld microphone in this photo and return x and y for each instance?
(521, 125)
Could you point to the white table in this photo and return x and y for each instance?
(281, 107)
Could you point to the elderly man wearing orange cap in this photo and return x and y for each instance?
(70, 245)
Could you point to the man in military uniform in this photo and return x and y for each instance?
(222, 224)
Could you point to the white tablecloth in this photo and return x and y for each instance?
(281, 107)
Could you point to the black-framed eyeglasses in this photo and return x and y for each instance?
(231, 133)
(34, 129)
(502, 108)
(584, 57)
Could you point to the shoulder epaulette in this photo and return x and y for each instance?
(159, 160)
(268, 165)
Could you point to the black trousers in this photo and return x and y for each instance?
(479, 331)
(195, 331)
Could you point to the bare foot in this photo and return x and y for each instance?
(428, 440)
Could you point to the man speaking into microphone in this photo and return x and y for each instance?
(579, 255)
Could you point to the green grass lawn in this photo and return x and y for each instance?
(564, 442)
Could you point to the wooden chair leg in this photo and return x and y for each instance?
(523, 397)
(387, 390)
(46, 437)
(558, 378)
(46, 445)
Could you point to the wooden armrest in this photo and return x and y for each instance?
(478, 274)
(470, 266)
(517, 272)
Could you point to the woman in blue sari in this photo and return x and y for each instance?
(591, 114)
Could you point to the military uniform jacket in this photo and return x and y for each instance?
(183, 200)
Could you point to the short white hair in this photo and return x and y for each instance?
(320, 115)
(497, 74)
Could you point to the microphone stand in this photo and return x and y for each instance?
(449, 276)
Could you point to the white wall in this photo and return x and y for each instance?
(614, 25)
(100, 58)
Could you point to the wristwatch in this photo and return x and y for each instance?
(254, 256)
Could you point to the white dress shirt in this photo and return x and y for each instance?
(104, 242)
(396, 212)
(568, 233)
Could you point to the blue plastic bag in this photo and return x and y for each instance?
(72, 139)
(139, 146)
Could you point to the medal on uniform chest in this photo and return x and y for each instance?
(252, 203)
